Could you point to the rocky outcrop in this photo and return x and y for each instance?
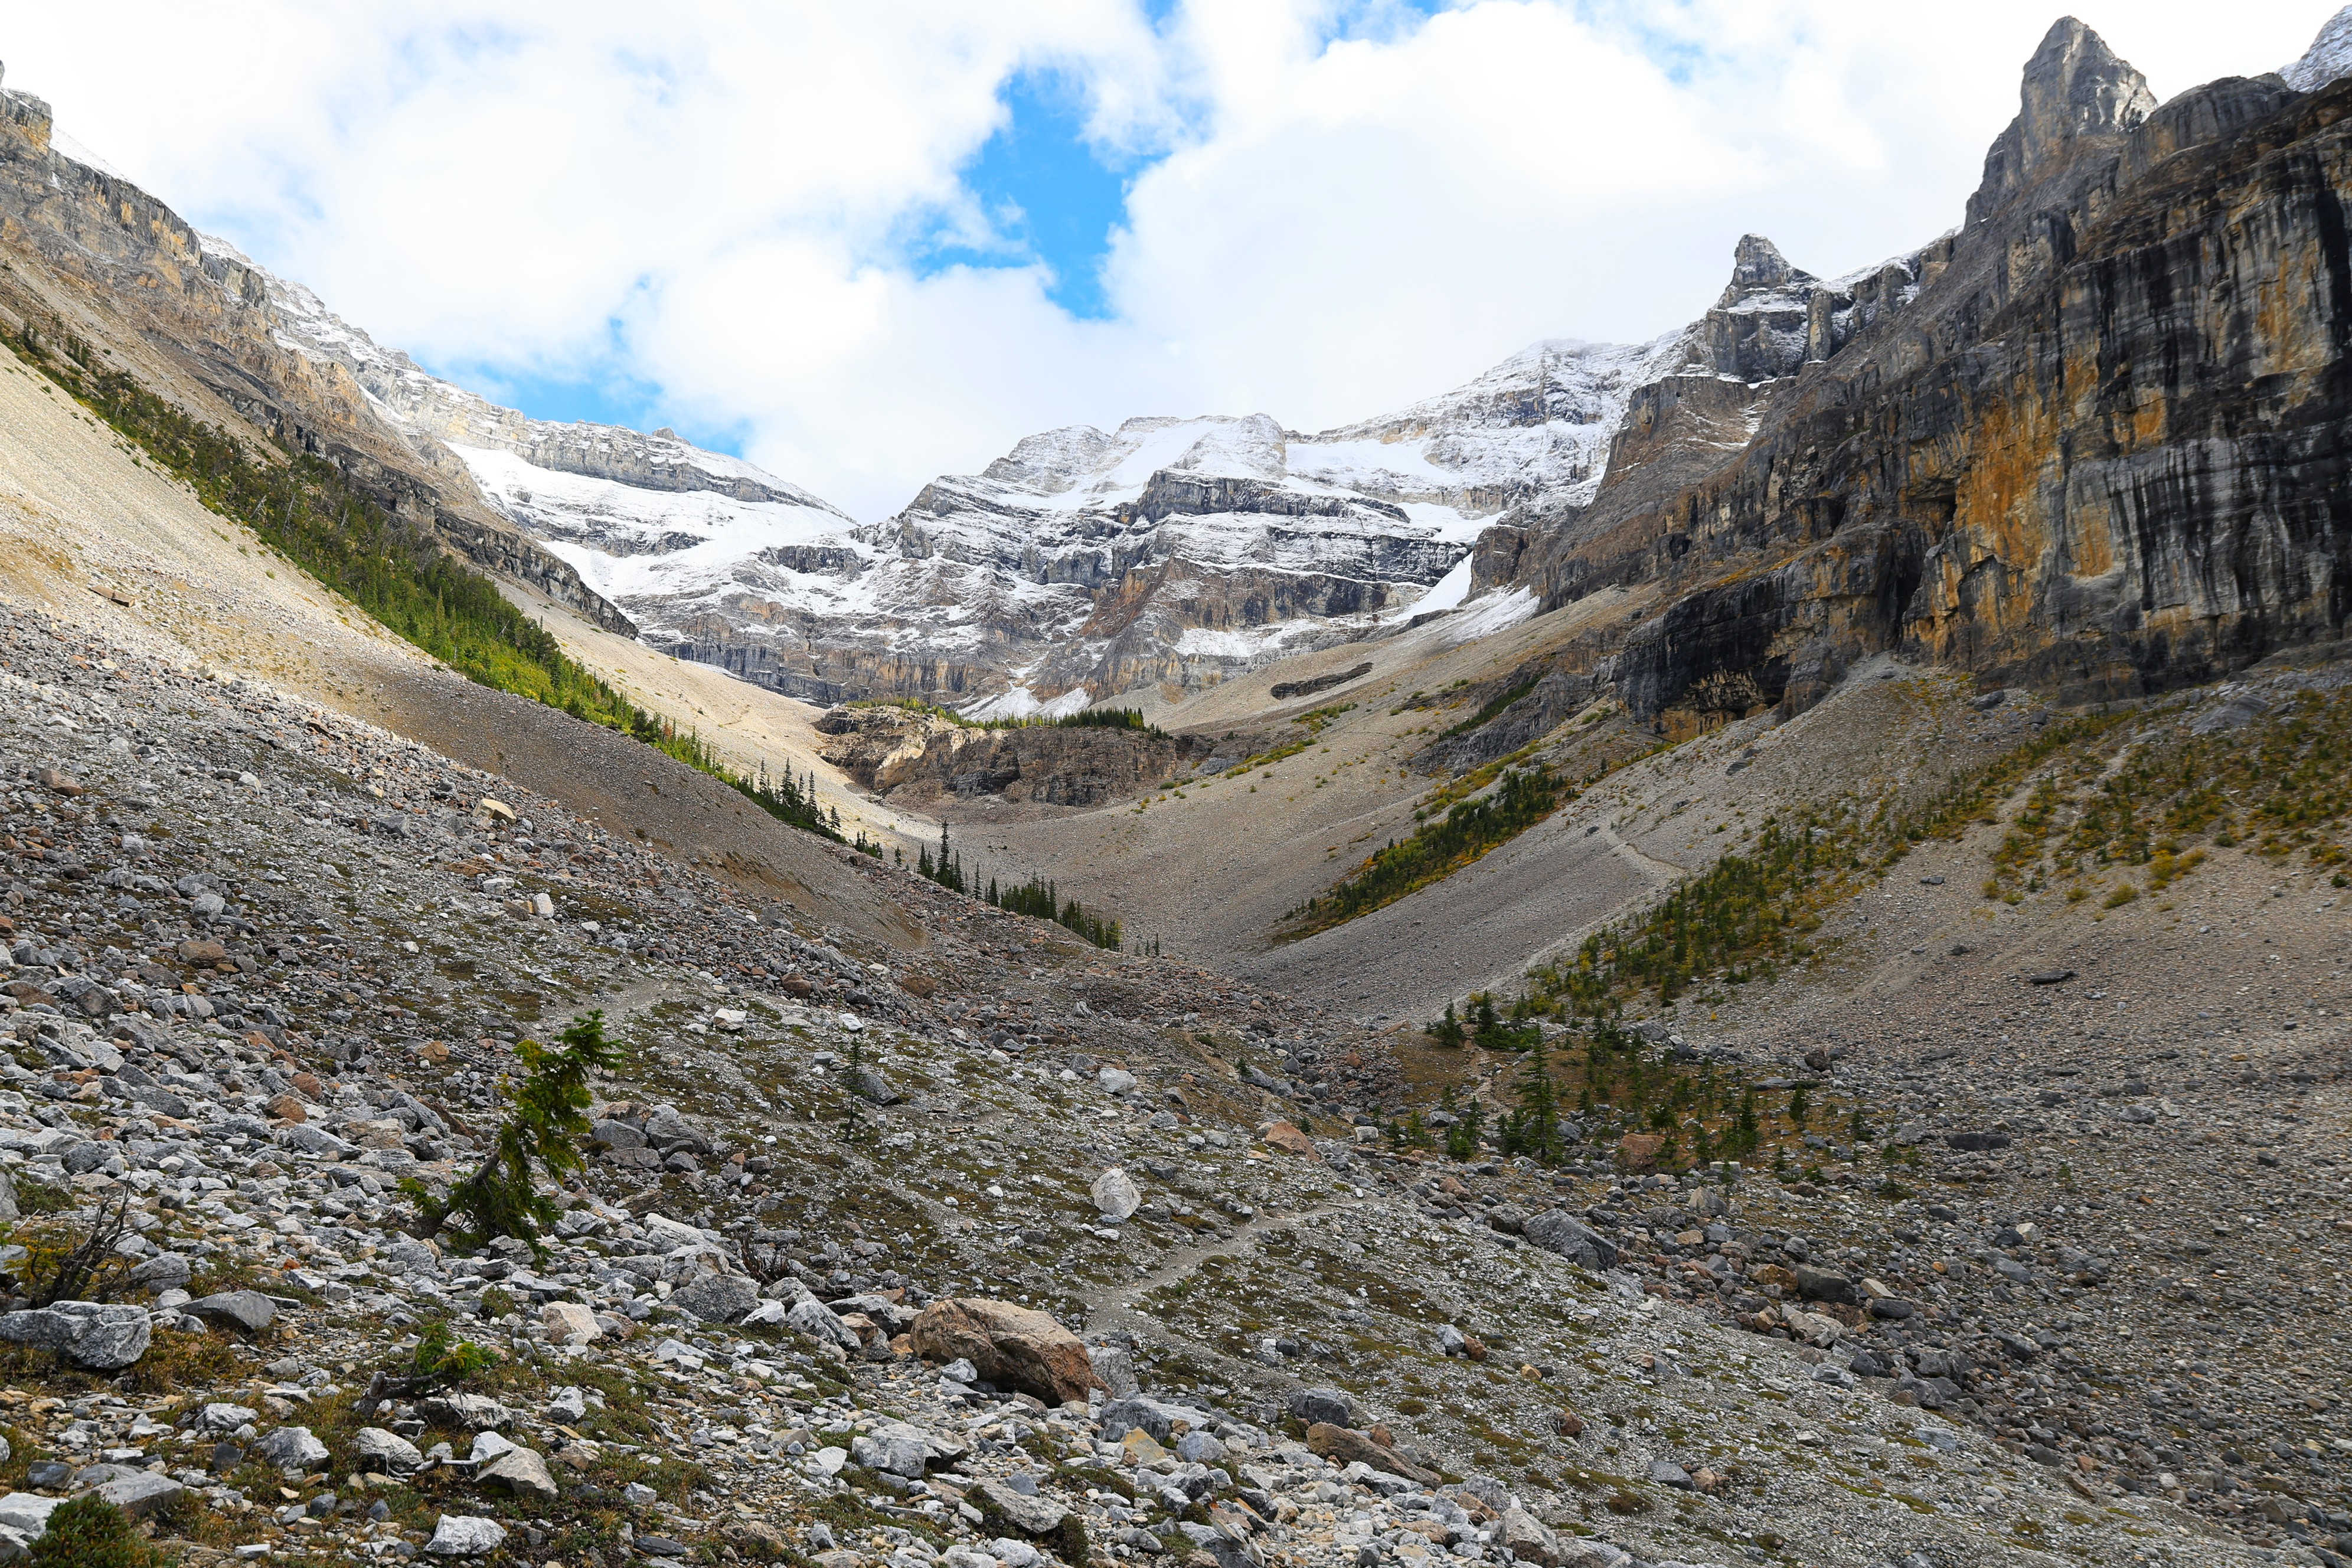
(116, 278)
(2099, 447)
(913, 755)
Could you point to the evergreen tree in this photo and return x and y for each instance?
(1748, 1131)
(1447, 1031)
(544, 1131)
(1533, 1129)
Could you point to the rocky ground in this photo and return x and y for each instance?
(266, 961)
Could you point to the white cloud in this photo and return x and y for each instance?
(1352, 205)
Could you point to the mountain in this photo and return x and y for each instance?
(2093, 440)
(1169, 553)
(1885, 1119)
(128, 287)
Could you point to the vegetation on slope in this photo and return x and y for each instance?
(400, 576)
(2158, 807)
(1752, 912)
(2281, 784)
(1089, 718)
(1437, 849)
(1037, 897)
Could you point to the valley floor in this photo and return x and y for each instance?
(847, 1128)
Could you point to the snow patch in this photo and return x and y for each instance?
(1500, 612)
(2330, 57)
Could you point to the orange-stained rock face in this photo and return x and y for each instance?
(2102, 449)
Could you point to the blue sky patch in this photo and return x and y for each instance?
(1046, 191)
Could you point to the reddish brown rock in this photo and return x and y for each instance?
(1286, 1138)
(1639, 1151)
(1013, 1347)
(1345, 1446)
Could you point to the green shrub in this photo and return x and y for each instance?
(545, 1130)
(89, 1532)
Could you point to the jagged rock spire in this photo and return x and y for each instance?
(2076, 87)
(2076, 90)
(1757, 263)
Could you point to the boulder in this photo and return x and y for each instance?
(248, 1311)
(1013, 1347)
(521, 1471)
(893, 1446)
(101, 1338)
(1116, 1367)
(1115, 1194)
(1030, 1515)
(1325, 1405)
(718, 1297)
(466, 1535)
(1287, 1139)
(1345, 1446)
(219, 1419)
(164, 1271)
(292, 1449)
(142, 1493)
(376, 1452)
(1529, 1538)
(472, 1411)
(27, 1513)
(813, 1318)
(1822, 1284)
(570, 1324)
(1556, 1230)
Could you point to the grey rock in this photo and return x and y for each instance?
(719, 1298)
(311, 1138)
(1115, 1194)
(1557, 1231)
(1331, 1404)
(1030, 1515)
(1115, 1366)
(102, 1338)
(292, 1449)
(27, 1513)
(375, 1451)
(1591, 1555)
(813, 1318)
(470, 1412)
(248, 1310)
(1529, 1538)
(466, 1535)
(164, 1271)
(521, 1471)
(1197, 1447)
(219, 1419)
(1822, 1284)
(142, 1493)
(616, 1136)
(893, 1446)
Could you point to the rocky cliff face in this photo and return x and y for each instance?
(94, 261)
(915, 757)
(2093, 440)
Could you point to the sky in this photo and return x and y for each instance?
(865, 242)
